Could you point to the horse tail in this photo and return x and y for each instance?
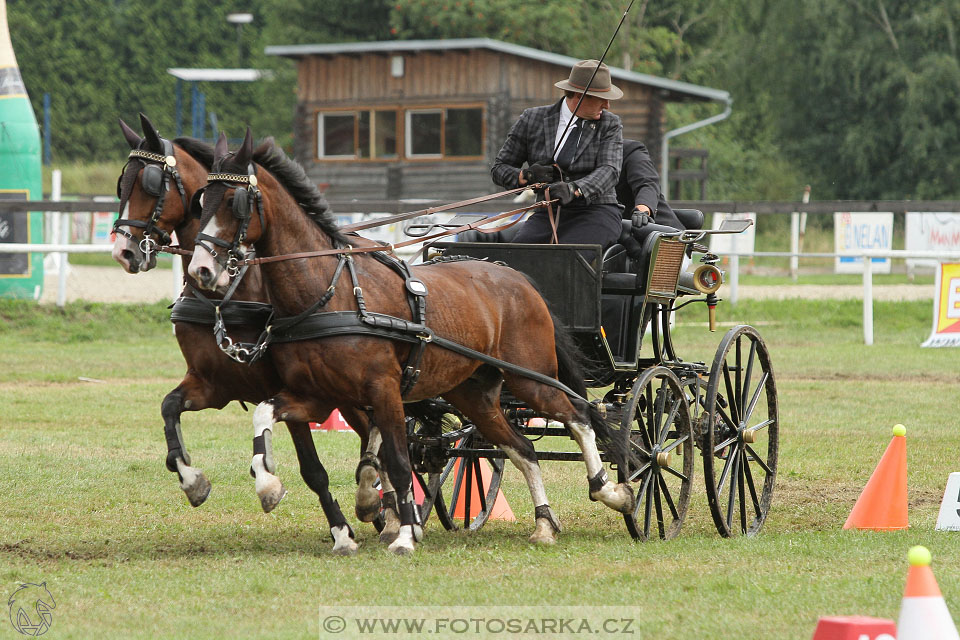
(570, 371)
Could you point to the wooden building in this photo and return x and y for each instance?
(426, 118)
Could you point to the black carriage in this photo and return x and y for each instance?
(619, 306)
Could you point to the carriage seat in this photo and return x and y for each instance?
(625, 264)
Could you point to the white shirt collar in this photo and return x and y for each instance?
(565, 116)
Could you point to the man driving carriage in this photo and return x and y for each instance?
(588, 154)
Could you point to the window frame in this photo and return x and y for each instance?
(403, 126)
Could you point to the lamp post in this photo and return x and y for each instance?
(240, 19)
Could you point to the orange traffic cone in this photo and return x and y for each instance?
(883, 504)
(333, 423)
(500, 510)
(923, 612)
(854, 628)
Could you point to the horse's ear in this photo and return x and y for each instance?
(151, 133)
(132, 138)
(245, 153)
(221, 148)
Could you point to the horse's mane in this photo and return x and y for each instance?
(200, 150)
(294, 179)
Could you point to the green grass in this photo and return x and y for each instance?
(89, 178)
(90, 509)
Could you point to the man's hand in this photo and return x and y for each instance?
(536, 173)
(563, 190)
(640, 219)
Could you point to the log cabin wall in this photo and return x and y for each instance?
(503, 84)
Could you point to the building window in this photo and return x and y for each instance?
(349, 135)
(444, 133)
(374, 134)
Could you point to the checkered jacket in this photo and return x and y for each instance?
(595, 167)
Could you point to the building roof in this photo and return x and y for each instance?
(217, 75)
(676, 90)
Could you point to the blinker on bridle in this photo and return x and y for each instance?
(245, 198)
(158, 169)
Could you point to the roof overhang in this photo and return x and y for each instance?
(673, 89)
(218, 75)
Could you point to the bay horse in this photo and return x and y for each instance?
(252, 207)
(154, 194)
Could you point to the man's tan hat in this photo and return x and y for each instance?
(601, 87)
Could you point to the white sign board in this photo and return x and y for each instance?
(725, 244)
(855, 232)
(931, 231)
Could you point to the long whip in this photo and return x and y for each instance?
(589, 82)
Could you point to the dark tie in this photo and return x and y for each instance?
(569, 149)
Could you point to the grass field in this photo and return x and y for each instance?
(90, 509)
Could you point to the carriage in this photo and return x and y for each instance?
(619, 306)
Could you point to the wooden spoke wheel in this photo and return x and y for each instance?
(740, 433)
(465, 485)
(656, 425)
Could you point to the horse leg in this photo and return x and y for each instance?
(478, 398)
(367, 503)
(192, 480)
(576, 416)
(316, 478)
(269, 488)
(391, 513)
(389, 417)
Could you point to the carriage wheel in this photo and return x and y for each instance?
(656, 425)
(740, 433)
(467, 489)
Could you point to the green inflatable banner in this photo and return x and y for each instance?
(21, 274)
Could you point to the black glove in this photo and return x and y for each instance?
(640, 219)
(537, 173)
(564, 191)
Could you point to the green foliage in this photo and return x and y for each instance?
(857, 99)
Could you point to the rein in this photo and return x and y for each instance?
(405, 243)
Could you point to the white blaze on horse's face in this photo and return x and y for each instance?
(126, 251)
(203, 267)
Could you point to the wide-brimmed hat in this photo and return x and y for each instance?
(601, 87)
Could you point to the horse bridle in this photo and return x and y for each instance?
(245, 198)
(158, 170)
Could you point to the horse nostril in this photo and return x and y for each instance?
(205, 275)
(131, 260)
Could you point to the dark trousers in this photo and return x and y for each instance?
(586, 224)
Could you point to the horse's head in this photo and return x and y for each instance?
(232, 215)
(154, 188)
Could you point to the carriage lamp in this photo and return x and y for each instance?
(705, 278)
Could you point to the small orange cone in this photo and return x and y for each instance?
(854, 628)
(333, 423)
(500, 510)
(883, 504)
(923, 612)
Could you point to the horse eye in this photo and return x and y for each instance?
(230, 202)
(201, 199)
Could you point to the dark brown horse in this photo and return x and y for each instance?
(152, 207)
(486, 307)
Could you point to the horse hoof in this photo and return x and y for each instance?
(271, 495)
(367, 512)
(388, 537)
(401, 549)
(345, 549)
(198, 492)
(629, 502)
(542, 538)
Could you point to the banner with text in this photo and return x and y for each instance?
(854, 232)
(946, 308)
(724, 244)
(931, 231)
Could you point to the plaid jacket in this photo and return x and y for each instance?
(595, 167)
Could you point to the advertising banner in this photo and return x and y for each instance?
(854, 232)
(946, 308)
(931, 231)
(735, 242)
